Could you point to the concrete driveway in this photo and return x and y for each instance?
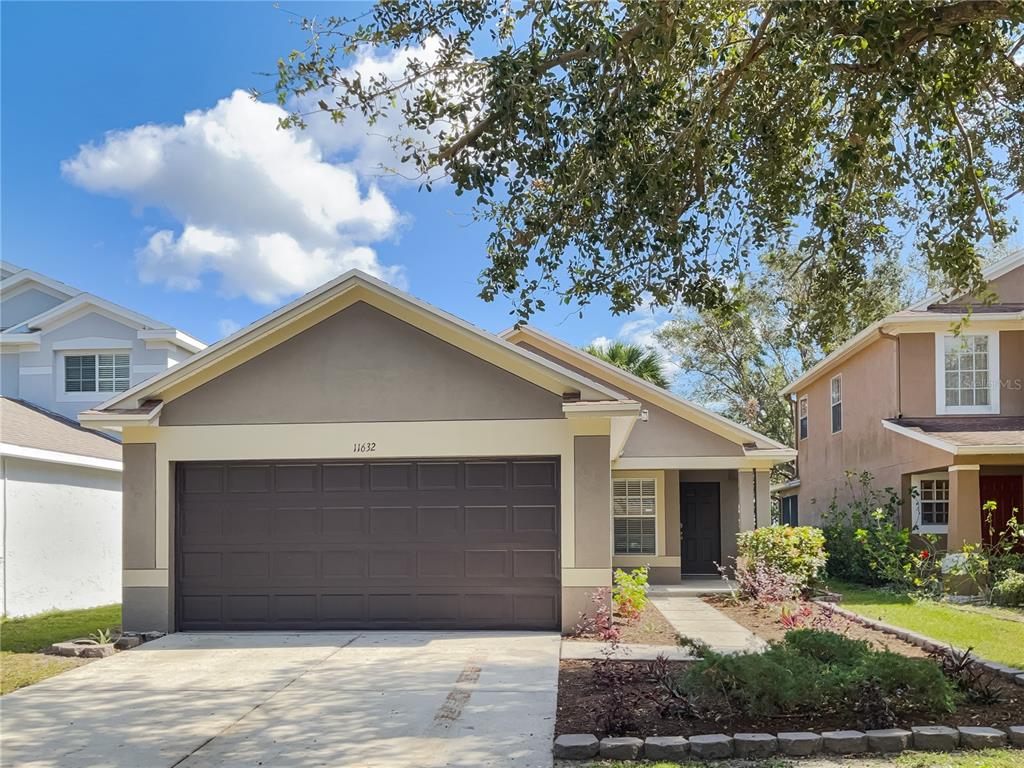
(396, 699)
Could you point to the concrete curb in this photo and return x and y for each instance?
(931, 645)
(720, 746)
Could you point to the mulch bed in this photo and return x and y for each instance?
(581, 698)
(764, 621)
(652, 628)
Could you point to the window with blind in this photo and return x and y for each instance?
(97, 373)
(634, 504)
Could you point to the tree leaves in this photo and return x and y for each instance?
(658, 149)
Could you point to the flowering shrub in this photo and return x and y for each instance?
(1010, 590)
(630, 592)
(765, 583)
(987, 564)
(796, 552)
(599, 621)
(866, 542)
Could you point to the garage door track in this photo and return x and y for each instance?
(296, 699)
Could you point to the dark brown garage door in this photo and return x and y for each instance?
(427, 544)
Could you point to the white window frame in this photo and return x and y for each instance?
(915, 483)
(833, 403)
(940, 376)
(96, 395)
(803, 418)
(642, 515)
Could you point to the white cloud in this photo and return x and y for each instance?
(227, 326)
(367, 146)
(601, 342)
(257, 205)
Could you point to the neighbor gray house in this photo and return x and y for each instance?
(63, 351)
(360, 459)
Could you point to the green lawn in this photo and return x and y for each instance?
(21, 640)
(992, 637)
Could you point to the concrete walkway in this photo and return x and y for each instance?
(296, 700)
(575, 649)
(693, 618)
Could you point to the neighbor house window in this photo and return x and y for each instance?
(97, 373)
(634, 504)
(803, 417)
(931, 502)
(788, 510)
(837, 404)
(968, 381)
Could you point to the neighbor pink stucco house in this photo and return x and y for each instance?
(921, 408)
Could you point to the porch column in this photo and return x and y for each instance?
(763, 494)
(964, 505)
(746, 499)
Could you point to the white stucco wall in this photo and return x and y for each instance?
(61, 535)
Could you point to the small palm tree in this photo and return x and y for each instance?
(642, 362)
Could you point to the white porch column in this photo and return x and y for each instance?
(746, 499)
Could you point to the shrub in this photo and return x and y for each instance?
(814, 672)
(827, 647)
(797, 552)
(765, 583)
(630, 592)
(867, 544)
(1009, 590)
(599, 621)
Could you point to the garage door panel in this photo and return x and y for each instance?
(390, 477)
(437, 476)
(253, 478)
(296, 478)
(394, 544)
(489, 475)
(535, 474)
(348, 564)
(535, 518)
(438, 522)
(344, 477)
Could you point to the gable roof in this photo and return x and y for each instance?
(76, 301)
(322, 302)
(992, 272)
(634, 385)
(921, 316)
(32, 432)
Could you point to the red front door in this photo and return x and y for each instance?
(1007, 491)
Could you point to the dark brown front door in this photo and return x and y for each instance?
(424, 544)
(1007, 491)
(700, 526)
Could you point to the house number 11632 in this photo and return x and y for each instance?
(364, 447)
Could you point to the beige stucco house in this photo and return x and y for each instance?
(361, 459)
(922, 409)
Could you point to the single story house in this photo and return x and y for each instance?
(360, 459)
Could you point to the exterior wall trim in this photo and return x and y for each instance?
(953, 448)
(58, 457)
(697, 462)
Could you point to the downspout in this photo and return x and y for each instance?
(898, 367)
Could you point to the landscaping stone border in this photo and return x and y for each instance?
(1011, 674)
(720, 746)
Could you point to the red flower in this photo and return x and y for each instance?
(924, 554)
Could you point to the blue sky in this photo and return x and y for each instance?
(73, 73)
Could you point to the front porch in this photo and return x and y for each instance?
(949, 501)
(681, 522)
